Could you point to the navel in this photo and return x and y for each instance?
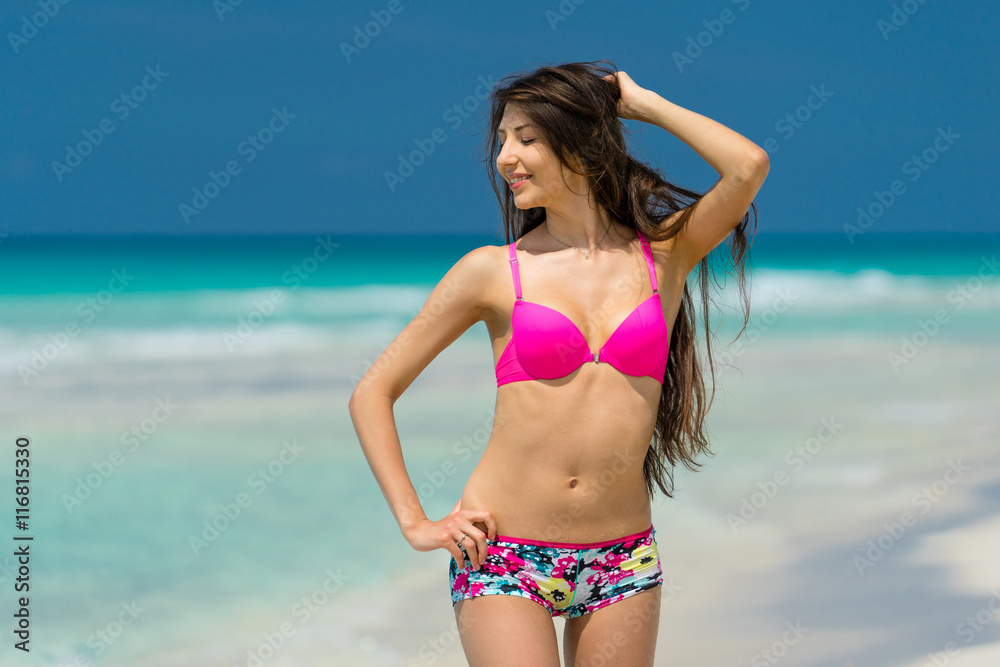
(573, 482)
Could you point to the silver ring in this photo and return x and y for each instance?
(459, 542)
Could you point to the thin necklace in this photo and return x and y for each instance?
(586, 253)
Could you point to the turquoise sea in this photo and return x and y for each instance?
(196, 484)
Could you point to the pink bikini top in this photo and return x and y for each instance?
(545, 344)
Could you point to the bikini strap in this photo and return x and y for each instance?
(515, 270)
(649, 259)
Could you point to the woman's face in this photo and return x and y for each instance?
(523, 153)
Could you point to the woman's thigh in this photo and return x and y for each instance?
(503, 630)
(623, 633)
(617, 613)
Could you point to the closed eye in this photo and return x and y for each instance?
(523, 141)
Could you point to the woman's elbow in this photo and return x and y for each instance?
(368, 389)
(757, 164)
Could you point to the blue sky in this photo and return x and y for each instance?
(291, 132)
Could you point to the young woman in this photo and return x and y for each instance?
(599, 387)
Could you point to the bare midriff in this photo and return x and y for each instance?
(564, 459)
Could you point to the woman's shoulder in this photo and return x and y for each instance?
(482, 264)
(484, 257)
(483, 271)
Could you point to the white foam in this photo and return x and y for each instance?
(869, 288)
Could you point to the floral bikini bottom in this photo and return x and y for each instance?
(567, 579)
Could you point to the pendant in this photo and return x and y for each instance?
(587, 255)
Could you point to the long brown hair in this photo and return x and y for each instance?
(576, 112)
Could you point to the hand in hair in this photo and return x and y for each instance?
(630, 106)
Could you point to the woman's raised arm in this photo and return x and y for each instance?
(742, 167)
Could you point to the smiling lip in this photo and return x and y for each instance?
(514, 186)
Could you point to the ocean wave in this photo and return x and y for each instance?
(872, 289)
(261, 321)
(96, 345)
